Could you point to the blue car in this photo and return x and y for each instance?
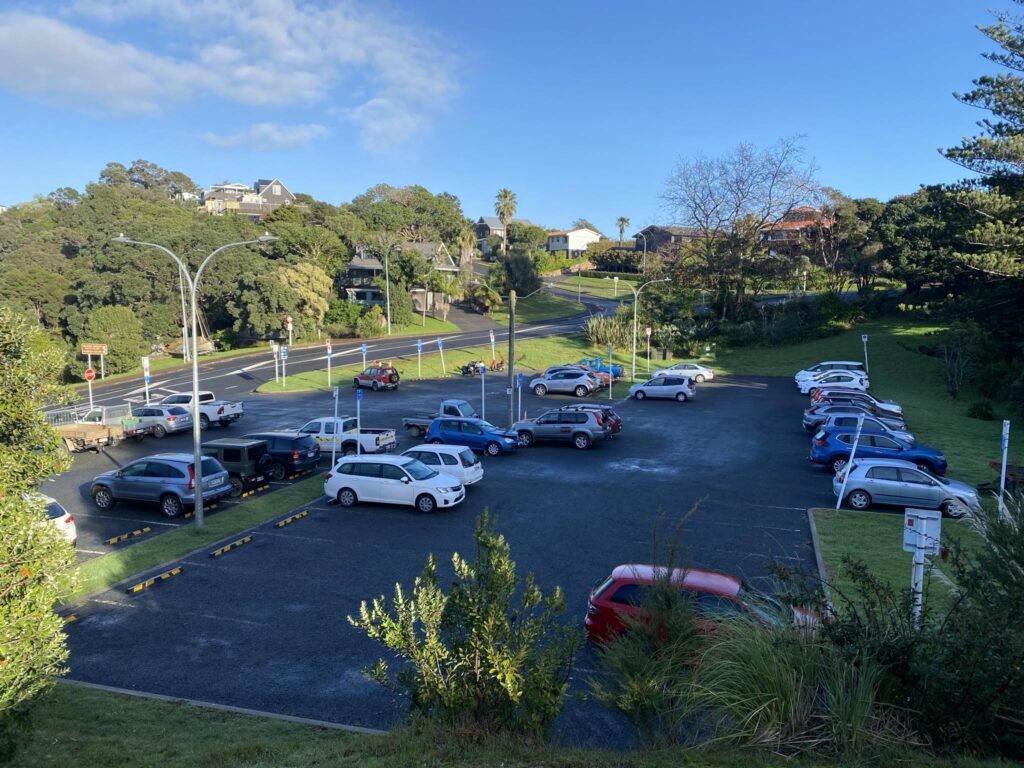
(473, 433)
(832, 448)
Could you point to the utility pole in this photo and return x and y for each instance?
(511, 355)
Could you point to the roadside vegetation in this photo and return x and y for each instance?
(538, 308)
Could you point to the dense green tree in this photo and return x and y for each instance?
(121, 331)
(312, 290)
(260, 305)
(526, 237)
(36, 564)
(36, 290)
(505, 209)
(517, 272)
(582, 223)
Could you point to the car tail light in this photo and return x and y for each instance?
(821, 441)
(295, 454)
(328, 476)
(220, 410)
(841, 477)
(600, 422)
(172, 418)
(191, 477)
(70, 520)
(592, 610)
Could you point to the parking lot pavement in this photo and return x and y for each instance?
(264, 626)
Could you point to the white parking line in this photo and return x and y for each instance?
(92, 551)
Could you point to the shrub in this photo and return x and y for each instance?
(401, 305)
(342, 313)
(982, 409)
(602, 330)
(487, 656)
(120, 330)
(371, 323)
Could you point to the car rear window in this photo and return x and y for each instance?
(305, 443)
(469, 458)
(55, 510)
(601, 587)
(177, 410)
(211, 467)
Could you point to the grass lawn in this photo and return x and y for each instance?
(531, 355)
(596, 286)
(538, 308)
(76, 727)
(111, 568)
(899, 372)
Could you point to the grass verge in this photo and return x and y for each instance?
(538, 308)
(900, 372)
(595, 286)
(111, 568)
(531, 355)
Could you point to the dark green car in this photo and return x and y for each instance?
(247, 461)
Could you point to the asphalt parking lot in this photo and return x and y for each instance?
(264, 627)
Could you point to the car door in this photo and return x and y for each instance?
(395, 485)
(547, 426)
(130, 481)
(470, 434)
(884, 485)
(315, 429)
(448, 431)
(655, 387)
(369, 485)
(883, 447)
(919, 490)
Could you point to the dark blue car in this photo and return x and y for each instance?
(832, 448)
(473, 433)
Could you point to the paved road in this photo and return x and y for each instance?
(264, 627)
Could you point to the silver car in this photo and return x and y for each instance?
(579, 428)
(897, 483)
(167, 479)
(163, 420)
(678, 388)
(575, 382)
(848, 420)
(699, 373)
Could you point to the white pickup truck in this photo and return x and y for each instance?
(341, 435)
(211, 410)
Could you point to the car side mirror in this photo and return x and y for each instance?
(120, 473)
(406, 480)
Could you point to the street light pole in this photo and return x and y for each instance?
(387, 287)
(193, 283)
(511, 356)
(636, 304)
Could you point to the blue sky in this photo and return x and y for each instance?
(581, 108)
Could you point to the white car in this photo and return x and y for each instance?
(678, 388)
(391, 480)
(825, 367)
(699, 373)
(61, 518)
(455, 460)
(847, 379)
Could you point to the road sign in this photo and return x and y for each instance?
(284, 352)
(864, 338)
(329, 349)
(93, 349)
(927, 523)
(419, 345)
(440, 343)
(508, 390)
(145, 378)
(145, 366)
(519, 379)
(335, 393)
(359, 394)
(90, 374)
(648, 330)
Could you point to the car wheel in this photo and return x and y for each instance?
(425, 503)
(138, 437)
(812, 392)
(277, 472)
(859, 499)
(639, 395)
(237, 487)
(102, 498)
(680, 397)
(159, 431)
(415, 431)
(525, 438)
(699, 379)
(349, 450)
(170, 505)
(355, 383)
(347, 497)
(838, 463)
(204, 421)
(493, 449)
(540, 390)
(435, 441)
(375, 386)
(581, 391)
(954, 509)
(581, 441)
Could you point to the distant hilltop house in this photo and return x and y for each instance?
(571, 242)
(795, 230)
(256, 202)
(358, 281)
(3, 209)
(491, 225)
(657, 238)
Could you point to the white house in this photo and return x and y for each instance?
(3, 209)
(572, 241)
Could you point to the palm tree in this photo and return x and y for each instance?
(622, 222)
(505, 209)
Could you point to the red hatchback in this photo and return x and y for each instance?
(716, 596)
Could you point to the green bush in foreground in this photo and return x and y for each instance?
(487, 657)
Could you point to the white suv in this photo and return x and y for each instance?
(391, 480)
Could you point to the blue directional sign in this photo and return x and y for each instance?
(519, 379)
(359, 394)
(146, 378)
(364, 350)
(419, 345)
(440, 343)
(284, 352)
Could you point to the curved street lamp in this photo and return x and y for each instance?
(636, 303)
(193, 282)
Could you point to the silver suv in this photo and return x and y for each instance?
(163, 420)
(678, 388)
(167, 479)
(579, 428)
(898, 483)
(578, 382)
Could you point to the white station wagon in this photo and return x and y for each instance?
(455, 460)
(391, 480)
(699, 373)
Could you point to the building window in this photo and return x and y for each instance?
(277, 189)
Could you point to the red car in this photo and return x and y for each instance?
(378, 377)
(716, 596)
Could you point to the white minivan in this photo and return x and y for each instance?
(391, 480)
(456, 460)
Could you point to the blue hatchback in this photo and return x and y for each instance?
(832, 448)
(473, 433)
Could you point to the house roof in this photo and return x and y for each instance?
(364, 261)
(424, 249)
(570, 231)
(686, 231)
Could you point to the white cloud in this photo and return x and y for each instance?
(267, 137)
(385, 76)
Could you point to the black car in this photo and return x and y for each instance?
(289, 452)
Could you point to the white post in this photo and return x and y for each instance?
(636, 305)
(145, 377)
(277, 370)
(88, 361)
(363, 349)
(864, 341)
(359, 421)
(103, 368)
(89, 382)
(849, 463)
(1002, 471)
(185, 346)
(917, 571)
(329, 364)
(337, 434)
(615, 283)
(648, 350)
(483, 394)
(440, 349)
(519, 399)
(284, 370)
(493, 356)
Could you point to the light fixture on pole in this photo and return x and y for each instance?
(636, 304)
(193, 283)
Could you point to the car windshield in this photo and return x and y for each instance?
(418, 470)
(486, 426)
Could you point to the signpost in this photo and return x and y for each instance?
(89, 350)
(145, 376)
(273, 353)
(288, 325)
(284, 366)
(363, 350)
(648, 349)
(90, 374)
(359, 419)
(519, 387)
(864, 341)
(611, 371)
(849, 462)
(493, 356)
(329, 365)
(483, 394)
(419, 358)
(440, 348)
(334, 442)
(922, 529)
(1002, 472)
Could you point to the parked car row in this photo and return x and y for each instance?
(889, 467)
